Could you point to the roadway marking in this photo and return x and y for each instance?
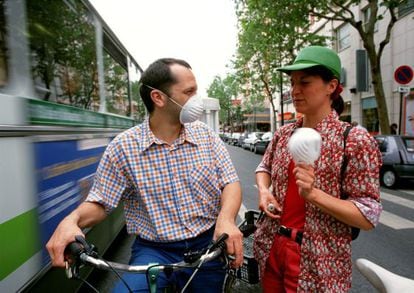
(410, 191)
(398, 200)
(395, 222)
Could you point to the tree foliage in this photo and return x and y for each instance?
(62, 41)
(272, 31)
(373, 43)
(226, 90)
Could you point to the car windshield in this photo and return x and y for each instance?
(382, 144)
(409, 144)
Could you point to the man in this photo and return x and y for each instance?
(179, 187)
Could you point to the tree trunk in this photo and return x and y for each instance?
(376, 76)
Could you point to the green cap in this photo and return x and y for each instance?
(313, 56)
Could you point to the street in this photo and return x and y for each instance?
(389, 245)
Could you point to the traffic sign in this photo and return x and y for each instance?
(403, 74)
(403, 89)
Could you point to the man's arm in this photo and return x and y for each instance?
(86, 215)
(231, 199)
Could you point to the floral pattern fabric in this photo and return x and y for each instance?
(325, 264)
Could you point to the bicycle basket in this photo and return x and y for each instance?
(249, 271)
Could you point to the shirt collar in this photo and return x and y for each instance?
(322, 125)
(148, 138)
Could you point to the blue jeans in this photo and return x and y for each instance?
(209, 278)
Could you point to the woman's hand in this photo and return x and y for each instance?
(268, 204)
(305, 180)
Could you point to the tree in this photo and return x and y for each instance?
(291, 19)
(341, 11)
(225, 90)
(268, 37)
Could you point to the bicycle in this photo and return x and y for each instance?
(81, 253)
(382, 279)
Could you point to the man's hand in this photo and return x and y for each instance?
(86, 215)
(64, 234)
(234, 243)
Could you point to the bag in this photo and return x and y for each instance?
(354, 231)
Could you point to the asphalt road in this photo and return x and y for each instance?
(389, 245)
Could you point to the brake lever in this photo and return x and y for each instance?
(73, 252)
(219, 243)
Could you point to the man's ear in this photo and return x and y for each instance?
(158, 99)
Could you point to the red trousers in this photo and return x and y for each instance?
(282, 266)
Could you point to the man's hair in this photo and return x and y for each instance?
(158, 75)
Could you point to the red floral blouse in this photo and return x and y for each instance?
(325, 264)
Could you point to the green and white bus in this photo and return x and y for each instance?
(67, 87)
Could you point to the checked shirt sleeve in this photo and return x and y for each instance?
(225, 168)
(110, 184)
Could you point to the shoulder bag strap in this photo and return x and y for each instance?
(344, 161)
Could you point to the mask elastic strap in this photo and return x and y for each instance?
(171, 99)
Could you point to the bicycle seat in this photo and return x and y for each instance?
(383, 280)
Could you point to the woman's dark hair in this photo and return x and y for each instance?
(158, 75)
(327, 75)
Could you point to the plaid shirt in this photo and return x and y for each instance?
(170, 192)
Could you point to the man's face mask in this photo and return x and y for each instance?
(192, 109)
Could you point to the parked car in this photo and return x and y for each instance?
(398, 158)
(251, 139)
(261, 145)
(234, 139)
(241, 139)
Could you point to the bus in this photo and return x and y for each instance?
(67, 87)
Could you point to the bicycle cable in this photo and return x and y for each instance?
(116, 273)
(90, 250)
(219, 243)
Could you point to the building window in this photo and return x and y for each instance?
(343, 37)
(405, 7)
(370, 115)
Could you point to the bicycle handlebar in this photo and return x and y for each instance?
(82, 253)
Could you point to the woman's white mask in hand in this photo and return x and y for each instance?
(305, 145)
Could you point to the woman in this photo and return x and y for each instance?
(304, 245)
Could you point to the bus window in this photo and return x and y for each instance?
(138, 108)
(62, 44)
(3, 48)
(116, 87)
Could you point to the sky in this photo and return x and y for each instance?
(202, 32)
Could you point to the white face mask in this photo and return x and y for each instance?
(192, 109)
(305, 145)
